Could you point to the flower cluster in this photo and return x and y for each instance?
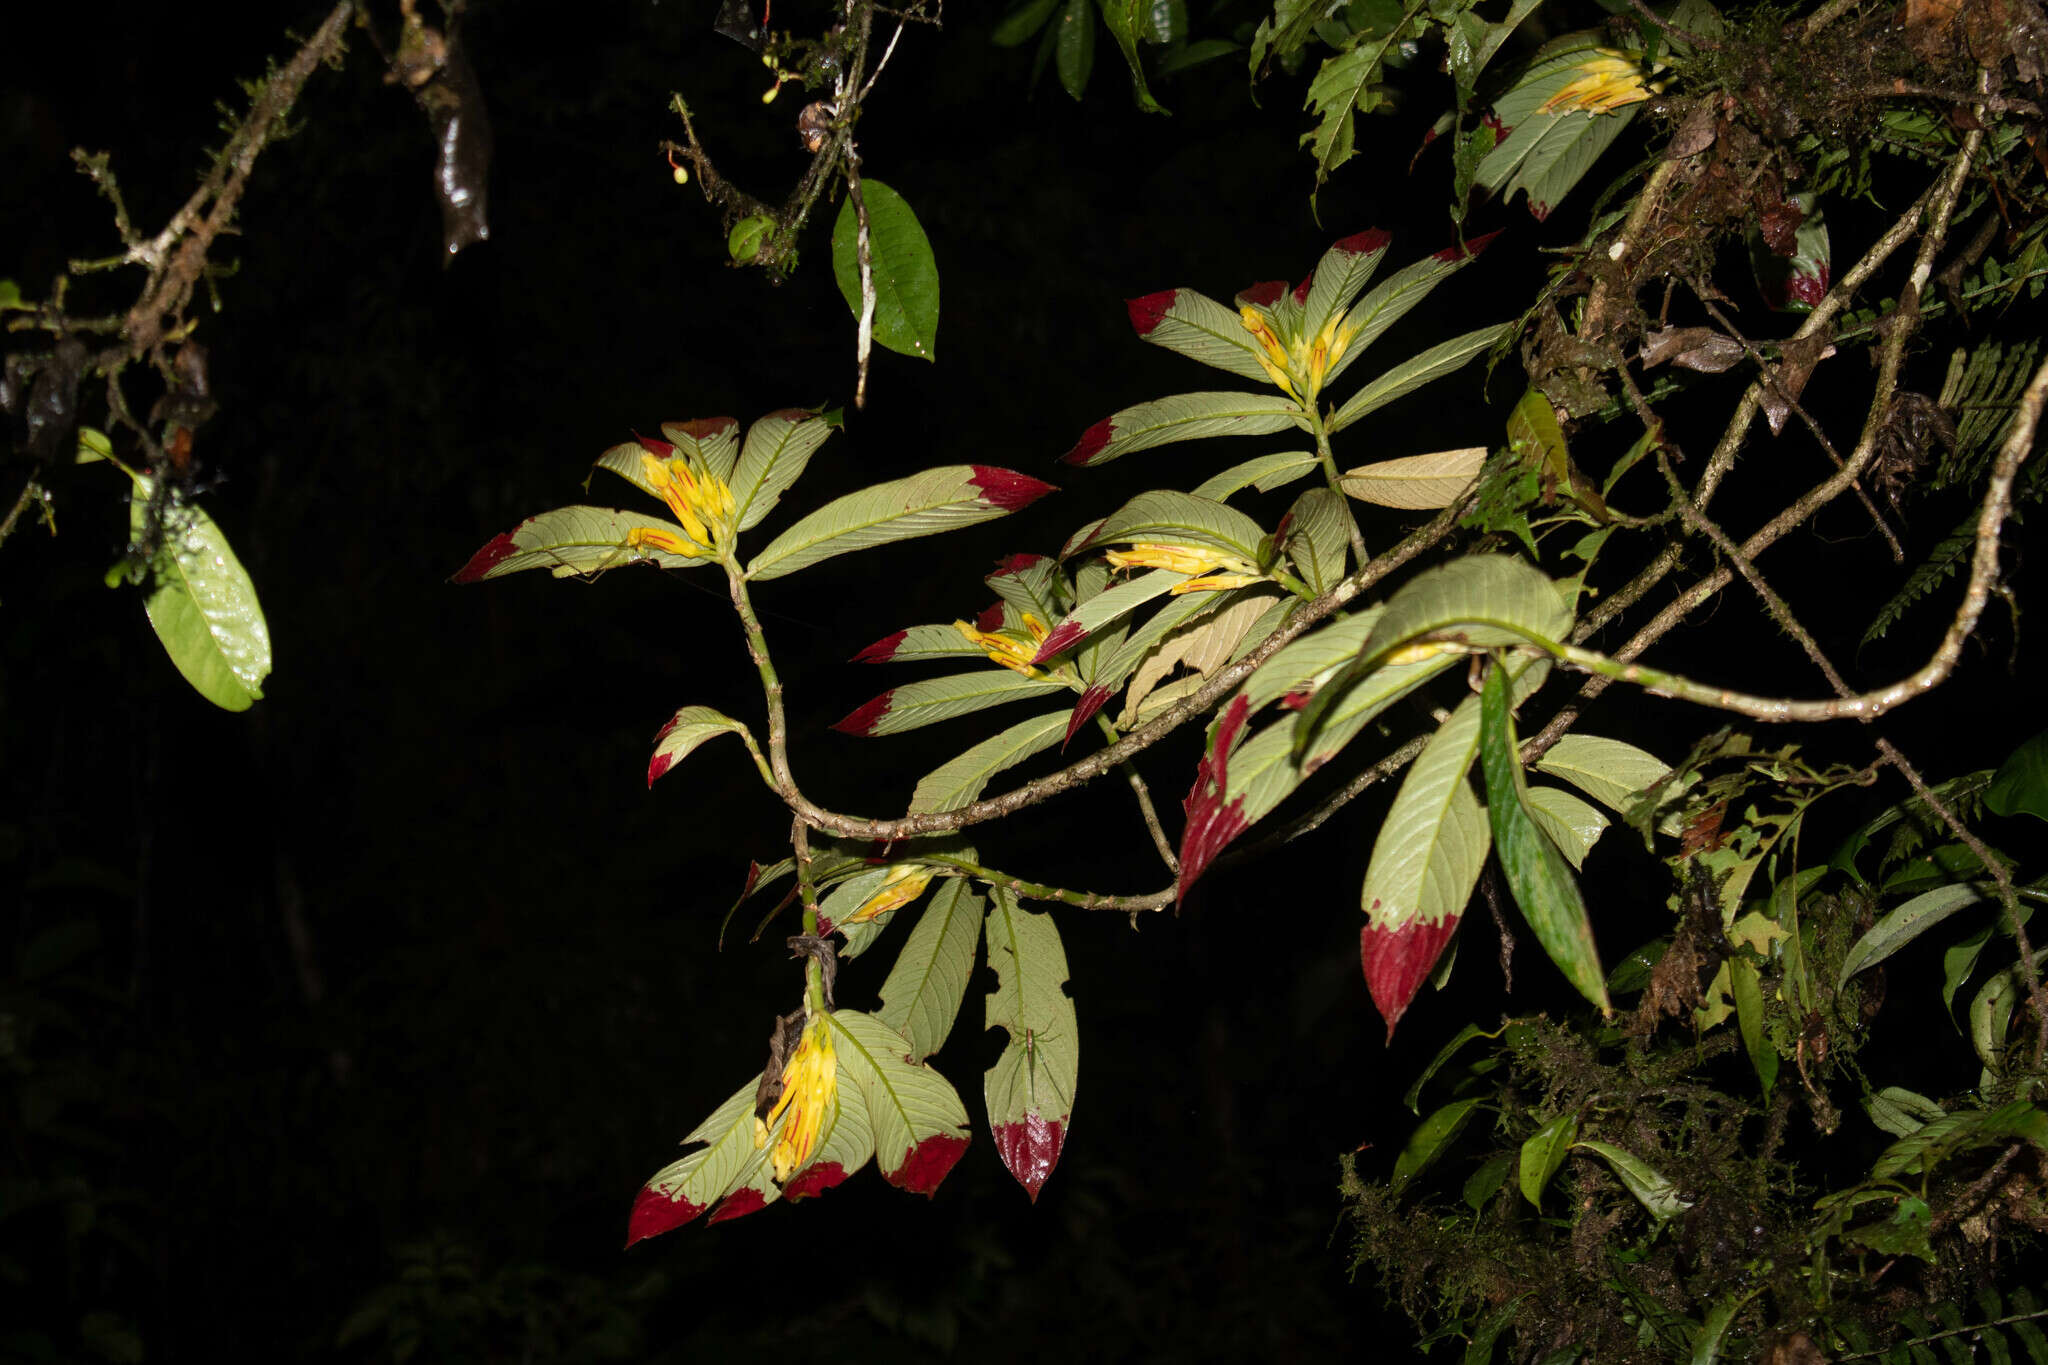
(1005, 648)
(1215, 569)
(1297, 363)
(810, 1080)
(700, 500)
(1608, 80)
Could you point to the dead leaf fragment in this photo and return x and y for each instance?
(1416, 481)
(1691, 348)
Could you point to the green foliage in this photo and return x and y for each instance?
(904, 274)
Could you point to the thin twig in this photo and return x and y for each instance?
(2001, 878)
(30, 492)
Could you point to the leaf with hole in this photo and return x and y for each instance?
(1030, 1089)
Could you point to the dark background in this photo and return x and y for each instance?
(383, 998)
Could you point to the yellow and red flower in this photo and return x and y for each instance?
(904, 884)
(1297, 363)
(1006, 647)
(1209, 570)
(810, 1081)
(1608, 80)
(700, 500)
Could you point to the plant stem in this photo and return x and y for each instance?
(1145, 807)
(1328, 460)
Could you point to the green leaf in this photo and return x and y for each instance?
(1429, 1140)
(1652, 1190)
(1318, 540)
(684, 1188)
(1164, 516)
(1479, 600)
(1105, 609)
(777, 449)
(1016, 27)
(1706, 1343)
(1571, 824)
(1546, 154)
(1030, 1089)
(1536, 873)
(1425, 862)
(1198, 327)
(685, 730)
(1184, 417)
(1479, 1350)
(935, 699)
(572, 541)
(959, 781)
(1612, 773)
(1906, 923)
(1075, 35)
(2021, 783)
(1130, 652)
(846, 1143)
(1416, 481)
(906, 278)
(1433, 364)
(916, 644)
(1902, 1112)
(1905, 1233)
(923, 993)
(1444, 1054)
(1394, 298)
(1931, 1144)
(1749, 1018)
(1129, 20)
(1543, 1153)
(919, 1124)
(942, 499)
(1309, 660)
(1345, 270)
(1485, 1183)
(1267, 473)
(203, 605)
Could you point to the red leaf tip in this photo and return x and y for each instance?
(654, 447)
(1301, 290)
(991, 618)
(1363, 243)
(1091, 702)
(1006, 488)
(1211, 824)
(1264, 294)
(1091, 443)
(928, 1163)
(1148, 312)
(882, 650)
(655, 1213)
(1030, 1149)
(1014, 564)
(1064, 636)
(863, 719)
(1473, 245)
(702, 428)
(816, 1178)
(738, 1204)
(490, 557)
(1398, 961)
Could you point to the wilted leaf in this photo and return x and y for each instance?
(1416, 481)
(1690, 348)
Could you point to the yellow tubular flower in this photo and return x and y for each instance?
(702, 503)
(1274, 359)
(1219, 570)
(1608, 79)
(661, 538)
(810, 1079)
(1006, 649)
(904, 884)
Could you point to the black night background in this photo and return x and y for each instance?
(383, 998)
